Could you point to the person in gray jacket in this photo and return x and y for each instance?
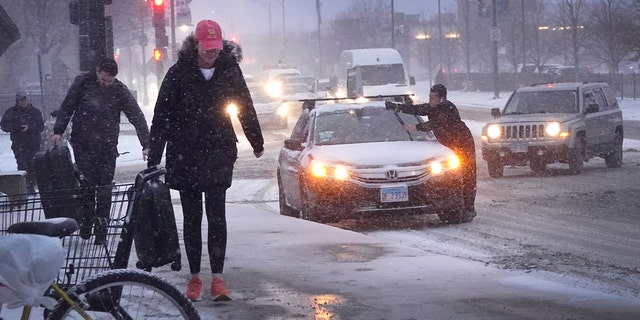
(93, 104)
(24, 123)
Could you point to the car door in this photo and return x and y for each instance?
(593, 125)
(610, 114)
(289, 162)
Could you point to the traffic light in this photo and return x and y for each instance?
(158, 54)
(158, 14)
(95, 34)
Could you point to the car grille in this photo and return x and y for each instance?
(390, 176)
(524, 131)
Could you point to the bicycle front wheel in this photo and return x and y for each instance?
(126, 294)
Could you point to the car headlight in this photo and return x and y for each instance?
(232, 109)
(552, 129)
(451, 163)
(321, 170)
(283, 110)
(494, 131)
(273, 89)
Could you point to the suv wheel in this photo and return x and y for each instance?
(496, 170)
(576, 157)
(614, 158)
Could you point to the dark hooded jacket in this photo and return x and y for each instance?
(12, 121)
(190, 118)
(96, 112)
(445, 122)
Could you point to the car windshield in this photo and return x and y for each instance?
(379, 75)
(363, 125)
(564, 101)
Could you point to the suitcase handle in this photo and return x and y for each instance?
(147, 174)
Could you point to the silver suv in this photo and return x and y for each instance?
(557, 122)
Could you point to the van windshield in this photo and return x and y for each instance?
(379, 75)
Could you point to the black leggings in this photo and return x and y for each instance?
(217, 227)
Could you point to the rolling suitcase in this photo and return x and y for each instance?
(155, 233)
(58, 183)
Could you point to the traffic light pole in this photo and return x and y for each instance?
(162, 41)
(94, 31)
(172, 22)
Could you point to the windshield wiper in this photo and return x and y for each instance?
(402, 123)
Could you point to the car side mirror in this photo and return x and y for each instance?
(412, 80)
(593, 107)
(293, 144)
(495, 112)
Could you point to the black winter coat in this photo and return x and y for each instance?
(14, 118)
(96, 112)
(190, 118)
(446, 124)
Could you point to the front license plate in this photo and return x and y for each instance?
(394, 194)
(520, 147)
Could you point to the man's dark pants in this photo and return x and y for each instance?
(97, 163)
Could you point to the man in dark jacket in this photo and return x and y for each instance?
(94, 104)
(24, 122)
(190, 118)
(451, 131)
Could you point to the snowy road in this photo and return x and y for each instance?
(576, 236)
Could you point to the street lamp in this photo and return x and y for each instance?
(424, 40)
(451, 48)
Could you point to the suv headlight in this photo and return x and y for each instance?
(494, 131)
(552, 129)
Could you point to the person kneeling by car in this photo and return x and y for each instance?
(451, 131)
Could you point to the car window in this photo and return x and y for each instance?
(599, 95)
(589, 98)
(612, 103)
(363, 125)
(300, 129)
(564, 101)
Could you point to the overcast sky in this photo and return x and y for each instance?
(243, 17)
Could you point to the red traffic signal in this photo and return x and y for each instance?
(158, 14)
(158, 54)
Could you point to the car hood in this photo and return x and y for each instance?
(380, 154)
(535, 117)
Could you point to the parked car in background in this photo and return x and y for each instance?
(272, 113)
(328, 88)
(560, 122)
(349, 159)
(306, 80)
(571, 74)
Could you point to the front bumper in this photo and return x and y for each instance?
(521, 152)
(437, 194)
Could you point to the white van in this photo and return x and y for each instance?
(381, 69)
